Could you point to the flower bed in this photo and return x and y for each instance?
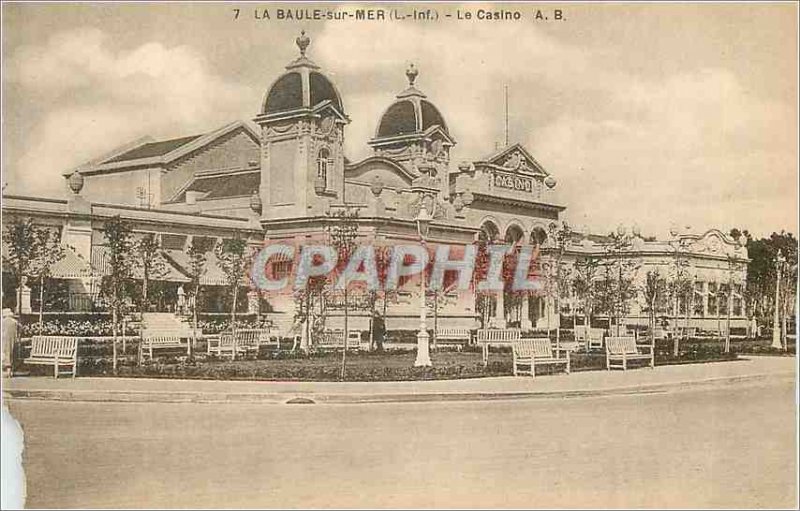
(361, 366)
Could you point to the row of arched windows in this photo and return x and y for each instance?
(490, 232)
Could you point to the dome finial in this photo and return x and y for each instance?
(411, 74)
(302, 42)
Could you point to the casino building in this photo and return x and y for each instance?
(279, 178)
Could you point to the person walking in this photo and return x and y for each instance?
(378, 330)
(10, 338)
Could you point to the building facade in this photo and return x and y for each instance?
(280, 177)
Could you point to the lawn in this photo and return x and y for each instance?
(395, 365)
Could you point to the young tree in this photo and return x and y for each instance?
(584, 283)
(22, 244)
(342, 232)
(150, 263)
(306, 300)
(233, 259)
(559, 238)
(620, 275)
(49, 253)
(655, 287)
(116, 285)
(196, 270)
(383, 257)
(681, 290)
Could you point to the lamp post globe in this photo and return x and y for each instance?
(423, 221)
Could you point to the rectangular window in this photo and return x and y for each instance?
(723, 297)
(713, 296)
(698, 300)
(737, 300)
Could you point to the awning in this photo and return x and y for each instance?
(70, 266)
(212, 275)
(170, 273)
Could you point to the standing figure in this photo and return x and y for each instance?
(181, 300)
(10, 348)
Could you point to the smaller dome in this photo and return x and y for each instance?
(411, 113)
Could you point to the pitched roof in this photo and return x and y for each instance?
(152, 149)
(229, 185)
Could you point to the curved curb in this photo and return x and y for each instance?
(123, 396)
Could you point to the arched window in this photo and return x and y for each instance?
(489, 232)
(323, 162)
(538, 236)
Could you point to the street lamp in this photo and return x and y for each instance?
(776, 327)
(423, 221)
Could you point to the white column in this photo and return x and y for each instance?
(500, 311)
(25, 300)
(525, 321)
(776, 327)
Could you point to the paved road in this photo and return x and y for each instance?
(726, 447)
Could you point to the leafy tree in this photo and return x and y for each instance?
(343, 231)
(311, 308)
(196, 271)
(150, 263)
(761, 273)
(618, 286)
(681, 289)
(584, 284)
(49, 253)
(383, 257)
(21, 244)
(560, 275)
(233, 259)
(655, 287)
(117, 283)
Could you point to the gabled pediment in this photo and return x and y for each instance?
(328, 108)
(378, 169)
(516, 158)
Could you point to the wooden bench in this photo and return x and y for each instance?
(151, 343)
(241, 342)
(497, 337)
(460, 337)
(529, 353)
(594, 338)
(335, 339)
(58, 351)
(620, 350)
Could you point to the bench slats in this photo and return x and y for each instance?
(623, 349)
(47, 350)
(530, 352)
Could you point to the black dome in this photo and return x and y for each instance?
(322, 89)
(431, 116)
(401, 118)
(287, 93)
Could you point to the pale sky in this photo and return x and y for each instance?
(651, 114)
